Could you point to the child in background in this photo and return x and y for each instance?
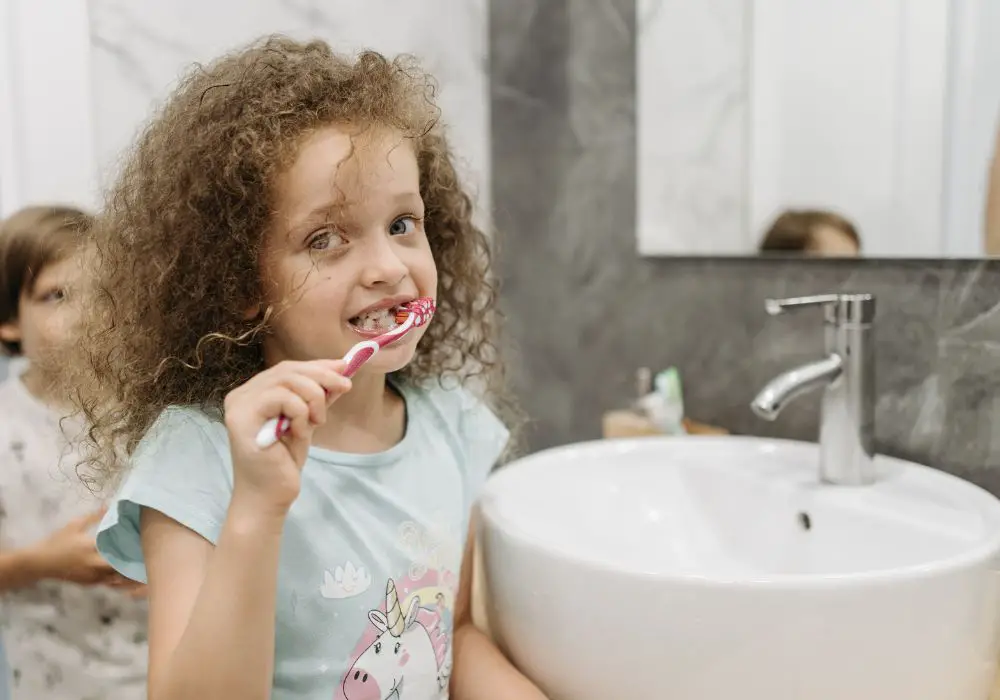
(812, 232)
(69, 634)
(279, 207)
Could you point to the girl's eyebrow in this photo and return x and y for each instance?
(335, 210)
(319, 214)
(403, 198)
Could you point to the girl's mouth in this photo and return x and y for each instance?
(378, 321)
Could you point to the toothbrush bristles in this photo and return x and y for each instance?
(420, 309)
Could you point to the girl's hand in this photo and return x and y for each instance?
(269, 479)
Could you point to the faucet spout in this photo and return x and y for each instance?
(847, 376)
(773, 398)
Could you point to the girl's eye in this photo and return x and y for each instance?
(327, 239)
(402, 226)
(54, 295)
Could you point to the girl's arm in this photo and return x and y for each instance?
(480, 671)
(212, 608)
(211, 614)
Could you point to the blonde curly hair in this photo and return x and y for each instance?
(178, 241)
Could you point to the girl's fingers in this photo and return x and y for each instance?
(310, 391)
(300, 391)
(327, 373)
(283, 401)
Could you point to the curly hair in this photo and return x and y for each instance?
(178, 241)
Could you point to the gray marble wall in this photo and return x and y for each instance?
(584, 311)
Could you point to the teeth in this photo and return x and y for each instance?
(380, 319)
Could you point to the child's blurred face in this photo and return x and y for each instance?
(829, 241)
(346, 246)
(46, 312)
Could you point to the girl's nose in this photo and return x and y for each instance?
(383, 265)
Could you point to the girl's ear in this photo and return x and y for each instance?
(10, 332)
(258, 312)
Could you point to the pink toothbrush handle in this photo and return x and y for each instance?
(358, 357)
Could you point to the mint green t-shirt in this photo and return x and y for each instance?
(371, 549)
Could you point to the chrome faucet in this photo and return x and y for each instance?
(847, 375)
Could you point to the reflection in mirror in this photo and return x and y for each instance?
(833, 127)
(812, 232)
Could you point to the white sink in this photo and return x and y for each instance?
(700, 568)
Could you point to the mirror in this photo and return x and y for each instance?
(810, 127)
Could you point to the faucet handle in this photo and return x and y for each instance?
(839, 308)
(776, 307)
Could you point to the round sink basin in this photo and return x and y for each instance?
(697, 568)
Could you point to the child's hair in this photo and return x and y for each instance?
(178, 242)
(31, 239)
(794, 230)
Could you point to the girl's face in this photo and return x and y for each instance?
(345, 247)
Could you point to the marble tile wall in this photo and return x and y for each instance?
(584, 310)
(140, 49)
(692, 110)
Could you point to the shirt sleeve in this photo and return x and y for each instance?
(182, 469)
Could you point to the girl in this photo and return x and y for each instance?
(275, 211)
(69, 634)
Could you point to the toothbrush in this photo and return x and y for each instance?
(411, 315)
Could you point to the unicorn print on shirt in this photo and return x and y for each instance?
(410, 658)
